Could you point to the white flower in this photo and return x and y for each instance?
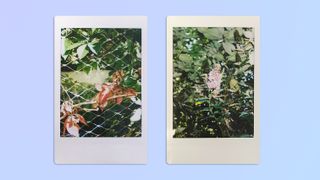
(136, 100)
(75, 119)
(136, 115)
(66, 107)
(73, 130)
(71, 126)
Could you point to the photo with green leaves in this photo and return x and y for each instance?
(100, 82)
(213, 82)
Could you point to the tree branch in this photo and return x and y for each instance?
(112, 97)
(89, 110)
(84, 103)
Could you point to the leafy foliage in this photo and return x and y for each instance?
(200, 110)
(90, 56)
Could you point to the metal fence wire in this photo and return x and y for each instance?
(115, 53)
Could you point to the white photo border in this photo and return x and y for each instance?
(102, 150)
(212, 150)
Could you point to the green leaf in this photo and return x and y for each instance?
(237, 34)
(248, 47)
(84, 32)
(176, 74)
(243, 114)
(232, 57)
(179, 130)
(228, 35)
(242, 69)
(185, 57)
(64, 56)
(129, 82)
(228, 47)
(93, 30)
(87, 69)
(238, 57)
(219, 57)
(234, 86)
(95, 41)
(94, 65)
(245, 67)
(82, 51)
(68, 44)
(214, 34)
(91, 47)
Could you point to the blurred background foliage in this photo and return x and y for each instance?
(197, 112)
(90, 56)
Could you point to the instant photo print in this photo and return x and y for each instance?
(100, 90)
(213, 90)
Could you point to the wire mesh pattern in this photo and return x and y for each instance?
(106, 52)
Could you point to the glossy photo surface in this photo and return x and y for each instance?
(100, 82)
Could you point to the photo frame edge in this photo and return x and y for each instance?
(141, 158)
(183, 21)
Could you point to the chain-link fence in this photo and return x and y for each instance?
(91, 57)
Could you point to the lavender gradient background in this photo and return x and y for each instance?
(290, 146)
